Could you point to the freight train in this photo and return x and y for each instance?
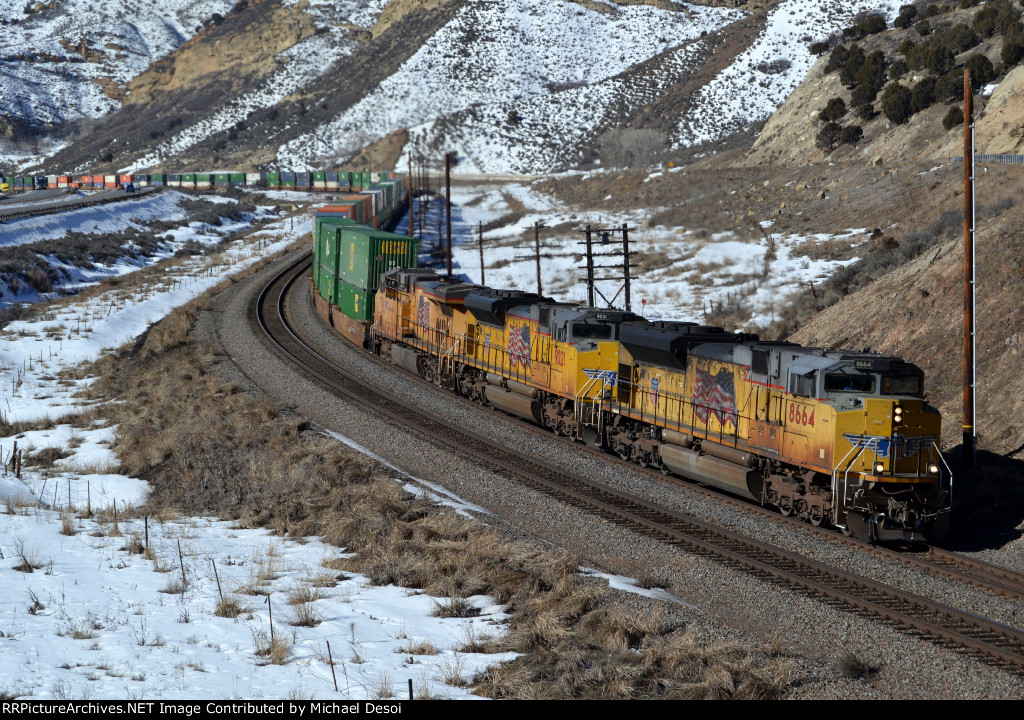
(835, 437)
(328, 180)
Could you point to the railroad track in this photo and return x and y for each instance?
(993, 643)
(52, 209)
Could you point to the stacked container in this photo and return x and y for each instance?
(273, 180)
(204, 181)
(350, 258)
(254, 179)
(320, 180)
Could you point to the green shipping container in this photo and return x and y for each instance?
(327, 236)
(326, 285)
(188, 179)
(355, 302)
(273, 179)
(365, 253)
(236, 178)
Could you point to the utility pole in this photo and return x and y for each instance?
(410, 191)
(970, 370)
(591, 280)
(480, 244)
(625, 264)
(590, 268)
(536, 249)
(448, 206)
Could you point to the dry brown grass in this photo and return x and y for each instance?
(67, 524)
(275, 650)
(230, 606)
(206, 448)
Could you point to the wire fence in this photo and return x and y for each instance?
(1001, 158)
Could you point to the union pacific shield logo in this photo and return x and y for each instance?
(899, 446)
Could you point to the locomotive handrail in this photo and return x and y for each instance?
(835, 485)
(949, 470)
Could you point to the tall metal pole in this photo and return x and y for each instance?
(536, 249)
(590, 269)
(480, 244)
(448, 206)
(625, 263)
(970, 372)
(409, 190)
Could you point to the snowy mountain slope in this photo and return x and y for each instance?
(298, 65)
(763, 76)
(60, 56)
(525, 87)
(498, 58)
(520, 86)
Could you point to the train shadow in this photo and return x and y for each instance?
(988, 502)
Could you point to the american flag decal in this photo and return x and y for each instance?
(715, 396)
(423, 312)
(519, 346)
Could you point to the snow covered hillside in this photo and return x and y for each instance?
(518, 87)
(59, 56)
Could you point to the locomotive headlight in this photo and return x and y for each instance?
(933, 469)
(879, 468)
(897, 414)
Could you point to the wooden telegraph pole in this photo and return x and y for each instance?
(448, 207)
(536, 249)
(480, 244)
(410, 191)
(970, 370)
(590, 267)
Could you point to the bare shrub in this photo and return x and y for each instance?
(275, 651)
(857, 667)
(306, 615)
(422, 647)
(67, 524)
(628, 147)
(230, 606)
(30, 558)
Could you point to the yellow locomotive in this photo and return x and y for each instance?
(837, 437)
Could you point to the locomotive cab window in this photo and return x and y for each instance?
(582, 330)
(804, 385)
(901, 385)
(850, 382)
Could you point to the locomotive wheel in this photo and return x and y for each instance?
(816, 516)
(786, 506)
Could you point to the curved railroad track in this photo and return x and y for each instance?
(992, 643)
(51, 208)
